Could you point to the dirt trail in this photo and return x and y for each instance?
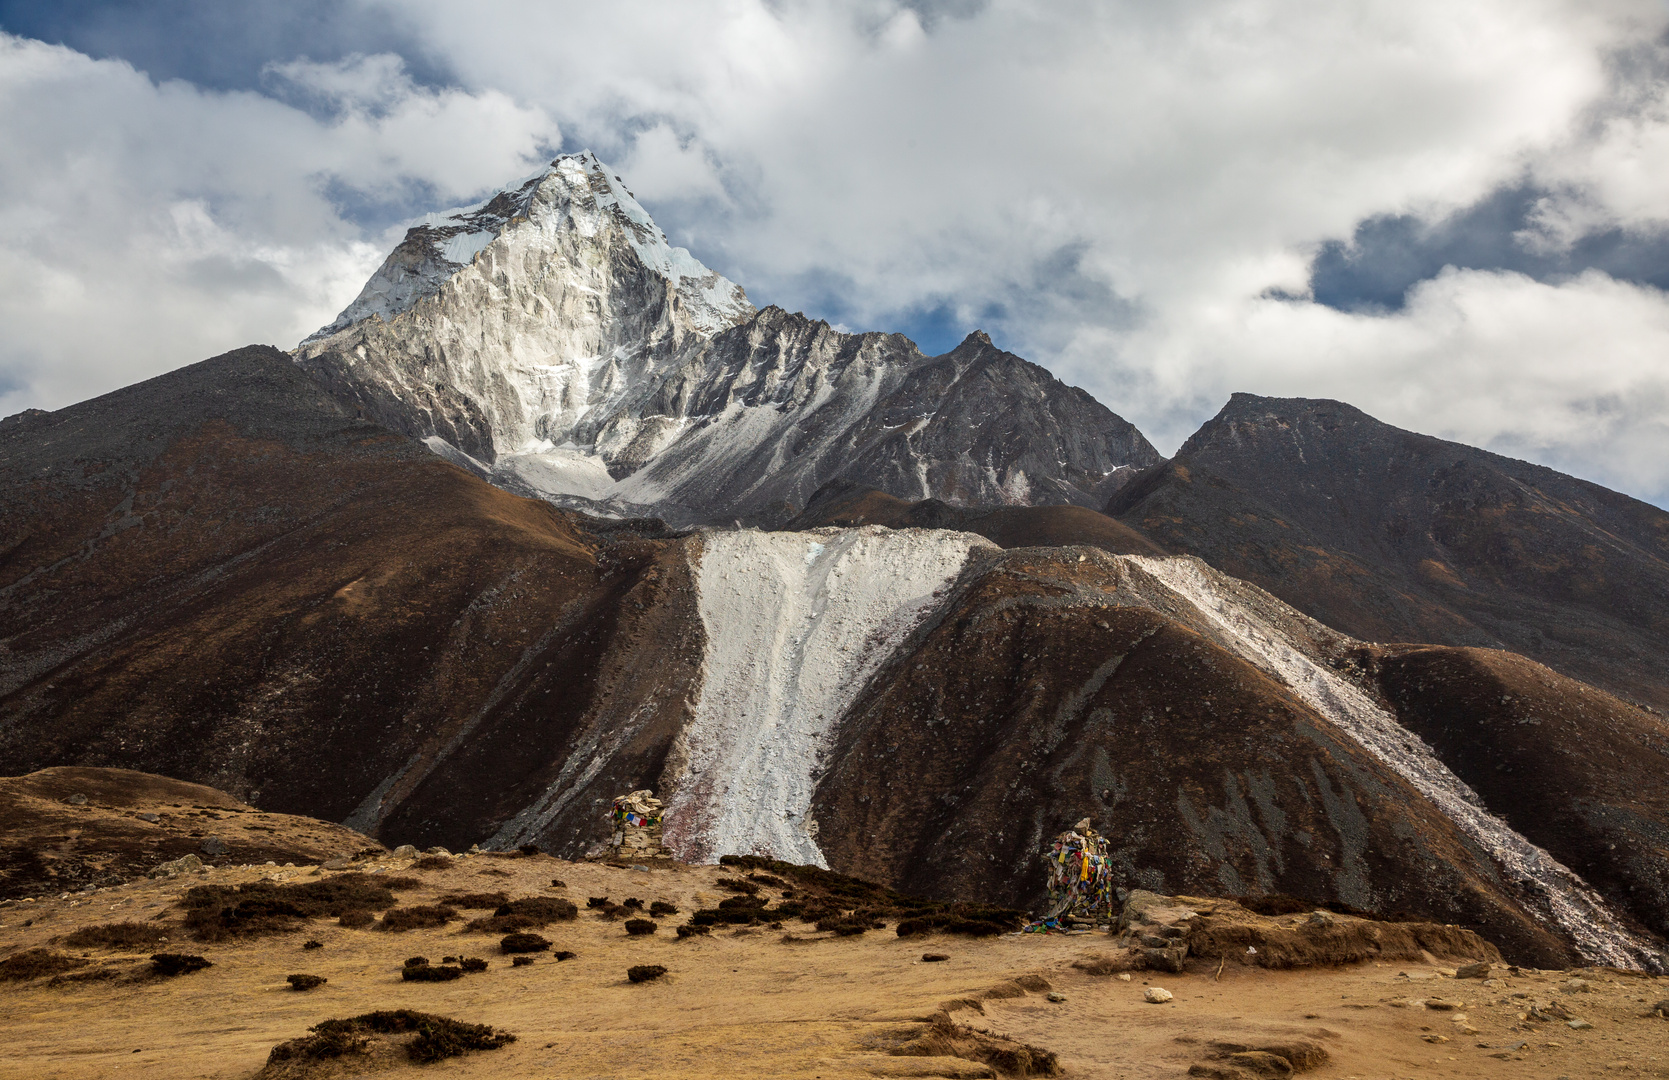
(754, 1005)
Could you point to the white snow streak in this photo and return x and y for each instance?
(1575, 907)
(796, 624)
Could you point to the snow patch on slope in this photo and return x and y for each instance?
(1576, 908)
(796, 624)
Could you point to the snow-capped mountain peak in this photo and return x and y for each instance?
(576, 187)
(552, 340)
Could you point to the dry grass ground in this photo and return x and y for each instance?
(752, 1004)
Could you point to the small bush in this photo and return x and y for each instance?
(417, 961)
(558, 883)
(596, 902)
(305, 982)
(692, 929)
(523, 943)
(476, 899)
(645, 972)
(934, 958)
(520, 961)
(313, 945)
(473, 963)
(565, 955)
(639, 927)
(35, 963)
(167, 963)
(432, 973)
(661, 907)
(528, 913)
(421, 917)
(438, 1037)
(122, 935)
(632, 902)
(767, 879)
(737, 885)
(356, 919)
(432, 862)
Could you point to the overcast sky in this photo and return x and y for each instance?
(1454, 216)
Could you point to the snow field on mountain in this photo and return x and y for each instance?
(796, 624)
(1577, 909)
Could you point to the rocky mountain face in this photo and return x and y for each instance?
(1393, 536)
(551, 340)
(225, 576)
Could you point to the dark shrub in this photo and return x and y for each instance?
(432, 862)
(475, 899)
(395, 884)
(632, 902)
(122, 935)
(417, 961)
(473, 963)
(645, 972)
(305, 982)
(523, 943)
(34, 963)
(565, 955)
(438, 1037)
(520, 961)
(527, 913)
(767, 879)
(933, 957)
(639, 927)
(661, 907)
(691, 929)
(529, 850)
(313, 945)
(558, 883)
(737, 885)
(432, 973)
(168, 963)
(420, 917)
(356, 918)
(597, 901)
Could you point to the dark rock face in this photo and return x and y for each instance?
(974, 426)
(1392, 536)
(1022, 709)
(1576, 770)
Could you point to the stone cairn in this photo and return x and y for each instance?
(637, 827)
(1080, 882)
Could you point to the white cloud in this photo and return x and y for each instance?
(1573, 374)
(145, 226)
(1109, 187)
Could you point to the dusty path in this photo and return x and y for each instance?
(754, 1005)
